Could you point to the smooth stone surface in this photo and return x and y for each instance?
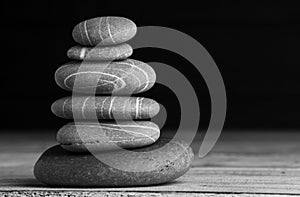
(117, 52)
(122, 77)
(104, 31)
(105, 107)
(59, 167)
(84, 136)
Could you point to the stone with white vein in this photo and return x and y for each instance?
(121, 77)
(85, 136)
(105, 107)
(116, 52)
(107, 30)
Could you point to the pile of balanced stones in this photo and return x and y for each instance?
(104, 147)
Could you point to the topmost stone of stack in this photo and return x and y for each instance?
(104, 31)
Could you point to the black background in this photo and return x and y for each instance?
(254, 43)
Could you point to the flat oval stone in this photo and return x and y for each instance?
(105, 107)
(144, 166)
(104, 31)
(84, 136)
(117, 52)
(122, 77)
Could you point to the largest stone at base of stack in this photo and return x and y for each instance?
(159, 163)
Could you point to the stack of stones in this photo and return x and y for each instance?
(138, 155)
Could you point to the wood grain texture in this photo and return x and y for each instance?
(105, 107)
(104, 31)
(122, 77)
(117, 52)
(241, 164)
(81, 137)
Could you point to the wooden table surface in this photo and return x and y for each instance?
(241, 164)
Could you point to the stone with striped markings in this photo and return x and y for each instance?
(104, 31)
(117, 52)
(158, 163)
(105, 107)
(121, 77)
(85, 136)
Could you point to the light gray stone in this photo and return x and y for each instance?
(84, 136)
(104, 31)
(117, 52)
(105, 107)
(122, 77)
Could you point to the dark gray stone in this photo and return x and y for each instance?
(59, 167)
